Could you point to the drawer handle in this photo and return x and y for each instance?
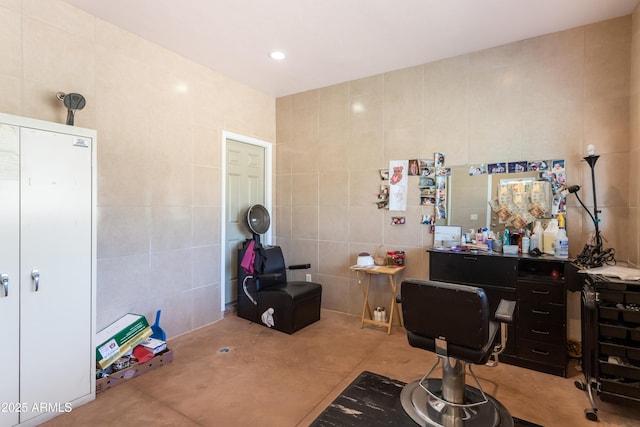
(471, 258)
(543, 353)
(535, 331)
(533, 291)
(546, 313)
(35, 275)
(4, 279)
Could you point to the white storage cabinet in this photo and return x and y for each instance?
(47, 269)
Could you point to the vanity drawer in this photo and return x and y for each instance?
(541, 292)
(542, 352)
(471, 269)
(552, 333)
(535, 311)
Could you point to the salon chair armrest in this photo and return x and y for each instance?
(272, 276)
(505, 310)
(299, 267)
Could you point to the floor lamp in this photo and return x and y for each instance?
(593, 255)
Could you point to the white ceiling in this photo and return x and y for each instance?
(333, 41)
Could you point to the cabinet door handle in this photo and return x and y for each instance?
(543, 353)
(35, 275)
(533, 291)
(535, 331)
(534, 311)
(4, 278)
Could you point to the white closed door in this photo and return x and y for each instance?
(245, 178)
(55, 271)
(9, 268)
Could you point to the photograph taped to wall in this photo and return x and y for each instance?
(427, 181)
(427, 201)
(427, 219)
(398, 220)
(477, 169)
(538, 165)
(517, 167)
(414, 167)
(495, 168)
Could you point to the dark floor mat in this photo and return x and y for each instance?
(373, 400)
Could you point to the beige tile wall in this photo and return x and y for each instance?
(159, 151)
(634, 157)
(546, 97)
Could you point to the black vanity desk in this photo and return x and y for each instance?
(538, 337)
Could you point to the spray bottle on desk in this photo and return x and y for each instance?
(561, 245)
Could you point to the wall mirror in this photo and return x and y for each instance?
(521, 192)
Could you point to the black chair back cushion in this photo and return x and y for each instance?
(458, 313)
(273, 264)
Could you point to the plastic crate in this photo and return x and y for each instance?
(622, 371)
(632, 316)
(613, 331)
(609, 313)
(631, 390)
(133, 371)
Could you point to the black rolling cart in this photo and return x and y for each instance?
(610, 341)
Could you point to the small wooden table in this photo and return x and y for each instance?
(368, 271)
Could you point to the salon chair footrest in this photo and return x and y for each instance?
(425, 410)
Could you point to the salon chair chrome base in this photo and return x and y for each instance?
(426, 410)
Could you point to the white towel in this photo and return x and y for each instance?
(267, 317)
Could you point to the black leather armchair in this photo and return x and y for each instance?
(288, 306)
(454, 322)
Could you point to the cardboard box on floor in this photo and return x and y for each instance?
(133, 371)
(120, 337)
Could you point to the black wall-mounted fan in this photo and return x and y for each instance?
(73, 102)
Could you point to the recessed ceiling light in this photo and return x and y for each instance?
(278, 55)
(181, 87)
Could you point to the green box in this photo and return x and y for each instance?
(120, 337)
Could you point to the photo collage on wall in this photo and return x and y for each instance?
(432, 175)
(550, 170)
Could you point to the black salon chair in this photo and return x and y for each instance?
(454, 322)
(268, 298)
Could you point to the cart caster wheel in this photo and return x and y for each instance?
(579, 384)
(591, 414)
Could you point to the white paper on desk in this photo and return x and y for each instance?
(364, 267)
(623, 273)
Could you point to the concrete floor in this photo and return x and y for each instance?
(267, 378)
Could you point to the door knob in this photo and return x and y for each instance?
(4, 278)
(35, 275)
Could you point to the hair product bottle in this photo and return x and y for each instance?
(561, 246)
(550, 234)
(537, 232)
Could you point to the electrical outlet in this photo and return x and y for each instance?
(308, 277)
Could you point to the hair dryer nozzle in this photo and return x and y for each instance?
(573, 189)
